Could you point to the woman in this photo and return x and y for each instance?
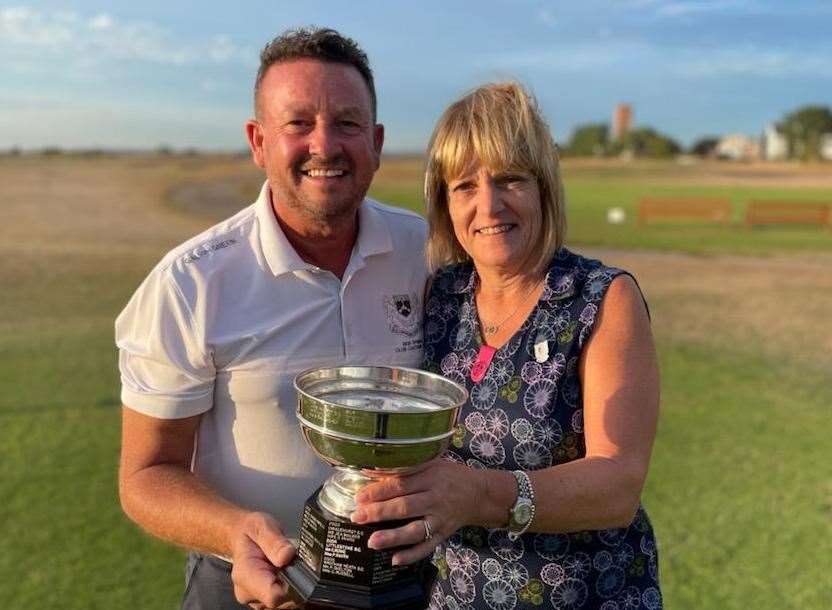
(538, 502)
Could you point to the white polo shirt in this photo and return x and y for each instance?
(226, 320)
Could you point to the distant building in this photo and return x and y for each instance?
(775, 144)
(622, 121)
(738, 147)
(825, 147)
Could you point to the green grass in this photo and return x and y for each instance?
(740, 488)
(66, 542)
(588, 201)
(589, 194)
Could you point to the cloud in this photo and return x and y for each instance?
(547, 17)
(570, 57)
(670, 9)
(605, 54)
(683, 8)
(27, 33)
(101, 22)
(757, 62)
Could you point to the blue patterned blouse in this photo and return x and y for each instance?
(526, 413)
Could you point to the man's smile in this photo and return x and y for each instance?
(323, 173)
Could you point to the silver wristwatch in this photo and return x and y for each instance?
(521, 514)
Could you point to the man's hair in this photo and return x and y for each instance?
(500, 127)
(322, 44)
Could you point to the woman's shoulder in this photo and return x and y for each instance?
(571, 273)
(566, 260)
(454, 279)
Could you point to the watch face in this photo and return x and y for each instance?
(523, 513)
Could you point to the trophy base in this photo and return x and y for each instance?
(312, 593)
(335, 568)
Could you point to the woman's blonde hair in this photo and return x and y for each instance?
(499, 126)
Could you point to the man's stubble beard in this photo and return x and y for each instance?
(331, 215)
(332, 212)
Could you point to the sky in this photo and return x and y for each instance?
(119, 74)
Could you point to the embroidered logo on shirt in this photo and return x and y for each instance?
(401, 313)
(197, 253)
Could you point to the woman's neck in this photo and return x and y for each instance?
(504, 287)
(504, 302)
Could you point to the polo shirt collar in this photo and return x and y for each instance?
(373, 232)
(373, 236)
(278, 252)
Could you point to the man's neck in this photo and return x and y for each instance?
(327, 245)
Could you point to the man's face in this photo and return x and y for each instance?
(316, 139)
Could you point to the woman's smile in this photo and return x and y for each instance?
(496, 229)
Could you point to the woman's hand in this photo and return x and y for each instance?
(445, 494)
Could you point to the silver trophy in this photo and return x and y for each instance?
(360, 418)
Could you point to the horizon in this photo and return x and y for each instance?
(127, 77)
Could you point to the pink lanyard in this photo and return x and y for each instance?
(483, 361)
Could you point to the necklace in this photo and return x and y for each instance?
(486, 352)
(493, 329)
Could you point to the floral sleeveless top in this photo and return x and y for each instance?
(526, 414)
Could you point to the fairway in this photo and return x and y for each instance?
(740, 489)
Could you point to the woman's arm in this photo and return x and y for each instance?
(620, 380)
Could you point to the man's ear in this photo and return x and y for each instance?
(378, 141)
(254, 134)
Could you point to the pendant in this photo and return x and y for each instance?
(483, 361)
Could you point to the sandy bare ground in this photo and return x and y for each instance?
(60, 214)
(778, 307)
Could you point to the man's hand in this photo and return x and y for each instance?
(259, 550)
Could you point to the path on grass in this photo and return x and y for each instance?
(778, 307)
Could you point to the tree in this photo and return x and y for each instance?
(646, 142)
(803, 129)
(704, 147)
(589, 140)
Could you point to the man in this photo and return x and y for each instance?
(312, 274)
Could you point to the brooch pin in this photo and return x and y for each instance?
(541, 349)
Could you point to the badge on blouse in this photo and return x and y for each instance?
(541, 349)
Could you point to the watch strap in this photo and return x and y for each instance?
(524, 505)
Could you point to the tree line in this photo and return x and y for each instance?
(803, 130)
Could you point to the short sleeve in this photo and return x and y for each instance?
(595, 290)
(166, 370)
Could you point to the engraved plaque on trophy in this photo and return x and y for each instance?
(365, 418)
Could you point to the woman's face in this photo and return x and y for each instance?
(496, 217)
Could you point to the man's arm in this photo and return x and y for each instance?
(159, 492)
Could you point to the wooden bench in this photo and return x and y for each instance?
(678, 209)
(787, 212)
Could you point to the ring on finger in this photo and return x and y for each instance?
(428, 529)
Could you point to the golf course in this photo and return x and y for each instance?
(740, 485)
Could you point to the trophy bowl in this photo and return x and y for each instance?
(374, 417)
(359, 419)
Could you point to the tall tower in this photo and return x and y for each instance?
(622, 120)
